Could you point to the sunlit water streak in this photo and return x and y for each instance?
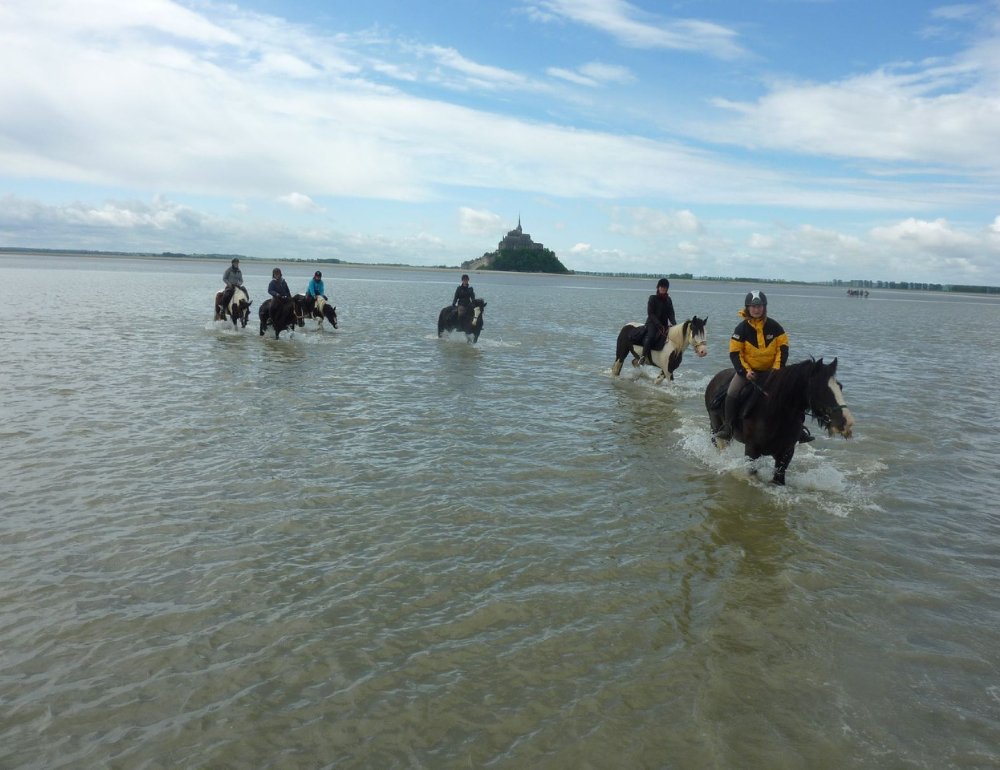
(373, 548)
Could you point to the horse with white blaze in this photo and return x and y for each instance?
(691, 333)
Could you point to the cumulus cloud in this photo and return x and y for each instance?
(929, 115)
(473, 222)
(300, 202)
(925, 235)
(160, 225)
(584, 257)
(651, 223)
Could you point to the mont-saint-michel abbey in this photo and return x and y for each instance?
(515, 240)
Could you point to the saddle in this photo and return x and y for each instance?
(639, 334)
(745, 401)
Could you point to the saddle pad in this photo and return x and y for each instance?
(745, 401)
(637, 336)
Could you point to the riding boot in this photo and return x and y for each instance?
(725, 431)
(806, 436)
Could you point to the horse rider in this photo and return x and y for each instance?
(277, 287)
(315, 288)
(758, 346)
(232, 278)
(465, 295)
(659, 317)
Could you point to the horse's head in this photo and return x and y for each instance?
(696, 335)
(826, 399)
(477, 311)
(330, 314)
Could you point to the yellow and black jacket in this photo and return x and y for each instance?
(759, 344)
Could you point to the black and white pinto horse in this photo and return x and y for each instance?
(278, 313)
(770, 423)
(238, 307)
(317, 308)
(679, 338)
(463, 319)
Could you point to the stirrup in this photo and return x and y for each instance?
(806, 436)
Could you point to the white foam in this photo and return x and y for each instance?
(224, 327)
(817, 479)
(484, 342)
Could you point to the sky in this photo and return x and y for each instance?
(786, 139)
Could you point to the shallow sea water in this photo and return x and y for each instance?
(373, 548)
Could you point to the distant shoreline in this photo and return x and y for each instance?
(223, 258)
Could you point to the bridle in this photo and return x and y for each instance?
(823, 415)
(690, 340)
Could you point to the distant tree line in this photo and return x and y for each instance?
(918, 286)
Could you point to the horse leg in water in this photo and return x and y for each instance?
(660, 359)
(781, 463)
(622, 348)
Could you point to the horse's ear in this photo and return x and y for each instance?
(833, 366)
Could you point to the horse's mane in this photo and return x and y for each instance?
(787, 389)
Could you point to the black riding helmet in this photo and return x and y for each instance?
(755, 298)
(664, 283)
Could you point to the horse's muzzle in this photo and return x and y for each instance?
(843, 426)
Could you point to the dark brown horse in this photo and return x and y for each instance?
(463, 319)
(279, 314)
(773, 420)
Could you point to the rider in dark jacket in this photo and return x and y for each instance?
(464, 296)
(659, 317)
(277, 287)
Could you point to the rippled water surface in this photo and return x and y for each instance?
(371, 548)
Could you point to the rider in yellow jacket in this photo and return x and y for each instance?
(758, 346)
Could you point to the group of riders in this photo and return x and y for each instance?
(233, 277)
(758, 346)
